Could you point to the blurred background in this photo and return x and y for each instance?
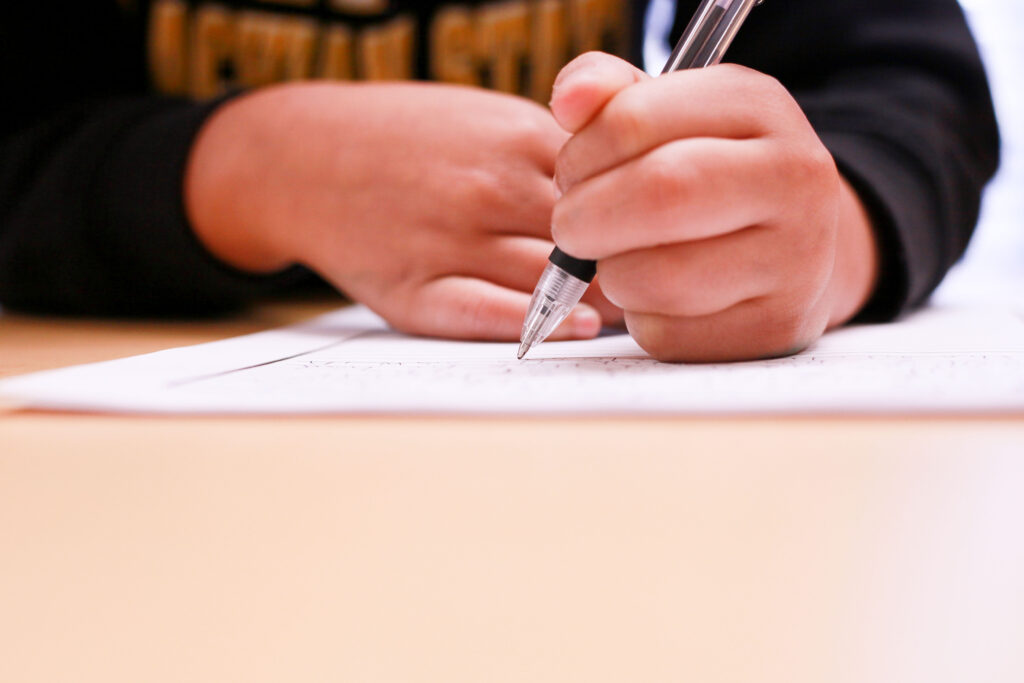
(993, 268)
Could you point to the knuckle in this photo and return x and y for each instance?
(531, 136)
(665, 181)
(738, 71)
(487, 186)
(770, 87)
(751, 77)
(815, 168)
(812, 218)
(527, 128)
(660, 171)
(761, 87)
(627, 118)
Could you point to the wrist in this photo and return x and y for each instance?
(855, 273)
(226, 183)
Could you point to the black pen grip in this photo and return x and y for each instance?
(578, 268)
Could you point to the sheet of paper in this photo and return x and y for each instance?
(938, 360)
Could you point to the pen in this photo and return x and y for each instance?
(566, 278)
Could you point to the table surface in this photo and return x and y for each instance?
(416, 549)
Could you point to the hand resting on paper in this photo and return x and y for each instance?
(718, 219)
(431, 204)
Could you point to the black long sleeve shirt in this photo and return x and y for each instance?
(92, 161)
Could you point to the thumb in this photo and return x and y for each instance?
(586, 84)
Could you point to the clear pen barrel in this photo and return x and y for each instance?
(555, 296)
(710, 32)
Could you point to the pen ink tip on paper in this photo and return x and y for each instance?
(523, 348)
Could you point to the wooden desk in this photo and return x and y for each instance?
(160, 549)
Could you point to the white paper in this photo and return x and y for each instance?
(938, 360)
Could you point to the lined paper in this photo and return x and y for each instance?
(947, 360)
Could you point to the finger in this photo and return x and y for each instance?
(693, 278)
(518, 262)
(682, 191)
(550, 140)
(725, 101)
(536, 138)
(754, 329)
(468, 308)
(586, 84)
(513, 262)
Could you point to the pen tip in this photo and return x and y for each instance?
(523, 348)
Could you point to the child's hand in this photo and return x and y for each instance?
(718, 219)
(431, 204)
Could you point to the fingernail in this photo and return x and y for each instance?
(568, 71)
(585, 322)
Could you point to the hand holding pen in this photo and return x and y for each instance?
(716, 216)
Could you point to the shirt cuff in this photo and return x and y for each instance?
(139, 210)
(895, 201)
